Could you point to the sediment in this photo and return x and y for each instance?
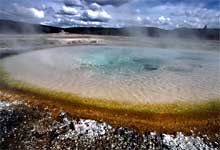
(31, 127)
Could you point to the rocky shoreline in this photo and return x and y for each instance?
(31, 127)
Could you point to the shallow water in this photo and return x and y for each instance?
(145, 75)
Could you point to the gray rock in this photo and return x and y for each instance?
(29, 127)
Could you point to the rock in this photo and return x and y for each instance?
(25, 127)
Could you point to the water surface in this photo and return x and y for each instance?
(145, 75)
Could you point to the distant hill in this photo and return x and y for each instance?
(210, 34)
(7, 26)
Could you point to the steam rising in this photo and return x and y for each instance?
(145, 75)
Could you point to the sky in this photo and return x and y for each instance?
(166, 14)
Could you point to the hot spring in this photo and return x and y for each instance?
(131, 74)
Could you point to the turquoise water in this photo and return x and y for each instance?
(122, 73)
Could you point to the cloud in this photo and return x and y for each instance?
(96, 13)
(73, 2)
(164, 15)
(163, 19)
(68, 10)
(28, 12)
(91, 15)
(95, 6)
(185, 16)
(74, 22)
(37, 13)
(109, 2)
(114, 13)
(69, 16)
